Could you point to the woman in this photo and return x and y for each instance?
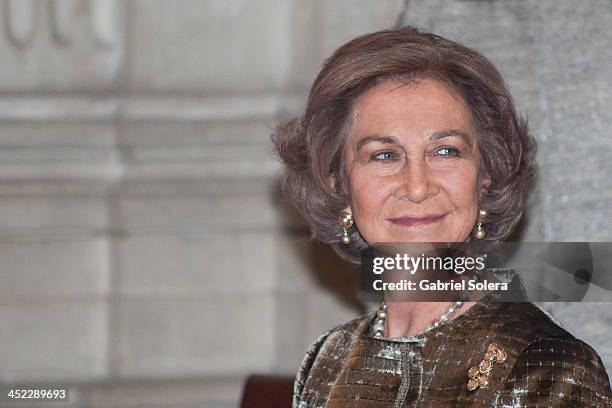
(409, 137)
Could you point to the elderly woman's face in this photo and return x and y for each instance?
(413, 164)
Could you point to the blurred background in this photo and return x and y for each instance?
(146, 256)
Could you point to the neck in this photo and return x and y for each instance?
(411, 318)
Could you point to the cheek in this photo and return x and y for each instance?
(462, 188)
(368, 194)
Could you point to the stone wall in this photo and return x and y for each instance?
(557, 58)
(147, 257)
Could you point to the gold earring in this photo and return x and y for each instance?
(479, 231)
(346, 222)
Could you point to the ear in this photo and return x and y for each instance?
(331, 182)
(484, 185)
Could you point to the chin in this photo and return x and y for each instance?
(419, 236)
(415, 238)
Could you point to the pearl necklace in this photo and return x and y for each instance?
(378, 328)
(381, 317)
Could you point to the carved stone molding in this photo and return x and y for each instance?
(167, 107)
(24, 18)
(19, 21)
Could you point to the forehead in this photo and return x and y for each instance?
(421, 106)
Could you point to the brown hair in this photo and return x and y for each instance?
(311, 147)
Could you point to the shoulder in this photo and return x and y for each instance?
(307, 362)
(339, 336)
(558, 370)
(528, 322)
(552, 366)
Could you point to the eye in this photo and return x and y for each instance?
(447, 151)
(385, 156)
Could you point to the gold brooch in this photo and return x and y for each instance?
(478, 376)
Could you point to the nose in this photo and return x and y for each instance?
(416, 182)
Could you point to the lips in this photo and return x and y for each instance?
(416, 221)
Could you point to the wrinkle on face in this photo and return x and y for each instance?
(412, 152)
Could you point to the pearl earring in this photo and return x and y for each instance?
(479, 231)
(346, 222)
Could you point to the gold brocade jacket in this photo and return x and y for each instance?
(544, 365)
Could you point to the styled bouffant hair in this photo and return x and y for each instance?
(311, 147)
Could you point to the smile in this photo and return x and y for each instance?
(416, 221)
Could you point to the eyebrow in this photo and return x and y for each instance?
(452, 133)
(387, 139)
(376, 138)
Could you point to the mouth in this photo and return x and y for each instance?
(416, 221)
